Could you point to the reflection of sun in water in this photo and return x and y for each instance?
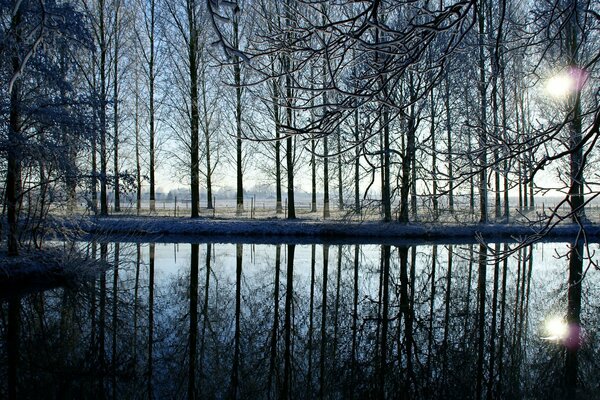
(560, 86)
(556, 329)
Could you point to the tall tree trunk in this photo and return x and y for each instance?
(482, 134)
(151, 79)
(209, 168)
(194, 115)
(138, 165)
(574, 126)
(237, 79)
(450, 148)
(13, 173)
(116, 79)
(408, 174)
(503, 95)
(339, 173)
(289, 151)
(103, 102)
(356, 163)
(434, 181)
(326, 211)
(277, 121)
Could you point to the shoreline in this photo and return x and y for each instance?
(277, 230)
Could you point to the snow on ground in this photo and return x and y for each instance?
(286, 229)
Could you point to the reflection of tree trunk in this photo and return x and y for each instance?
(289, 293)
(193, 338)
(490, 389)
(323, 323)
(447, 319)
(136, 289)
(310, 317)
(115, 320)
(234, 387)
(573, 341)
(431, 316)
(274, 331)
(502, 322)
(12, 345)
(384, 319)
(406, 302)
(93, 323)
(355, 316)
(102, 319)
(468, 292)
(150, 321)
(337, 303)
(481, 318)
(204, 316)
(528, 291)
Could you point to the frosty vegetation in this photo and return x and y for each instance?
(419, 106)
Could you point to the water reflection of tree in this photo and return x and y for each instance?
(294, 322)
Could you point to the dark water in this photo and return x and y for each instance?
(169, 321)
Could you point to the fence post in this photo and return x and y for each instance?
(175, 205)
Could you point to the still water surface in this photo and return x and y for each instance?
(251, 321)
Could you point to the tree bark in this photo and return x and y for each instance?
(116, 79)
(194, 112)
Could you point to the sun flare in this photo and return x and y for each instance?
(560, 86)
(556, 329)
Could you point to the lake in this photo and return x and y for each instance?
(307, 321)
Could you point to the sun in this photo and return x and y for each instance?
(556, 329)
(561, 85)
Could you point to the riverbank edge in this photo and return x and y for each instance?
(153, 226)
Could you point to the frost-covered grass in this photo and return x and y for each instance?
(41, 269)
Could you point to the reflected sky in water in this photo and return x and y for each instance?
(253, 321)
